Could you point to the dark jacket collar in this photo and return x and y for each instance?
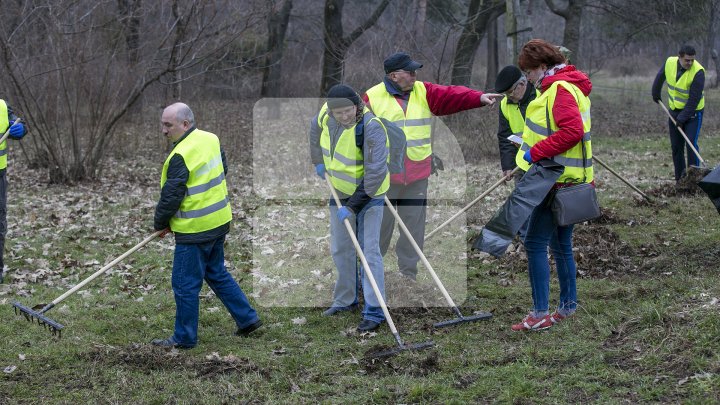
(184, 136)
(392, 88)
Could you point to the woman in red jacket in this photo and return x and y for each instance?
(566, 139)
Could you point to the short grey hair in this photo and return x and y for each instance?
(184, 113)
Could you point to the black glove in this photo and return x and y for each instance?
(656, 99)
(436, 164)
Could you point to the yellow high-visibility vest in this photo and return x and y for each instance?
(206, 204)
(4, 125)
(415, 121)
(344, 161)
(512, 114)
(536, 129)
(679, 90)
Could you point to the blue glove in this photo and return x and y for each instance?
(344, 213)
(527, 156)
(320, 170)
(17, 131)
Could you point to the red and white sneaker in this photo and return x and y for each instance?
(530, 323)
(556, 317)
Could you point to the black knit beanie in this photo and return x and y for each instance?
(508, 76)
(341, 95)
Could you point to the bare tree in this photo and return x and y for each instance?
(337, 44)
(66, 62)
(492, 53)
(518, 26)
(480, 12)
(277, 24)
(571, 11)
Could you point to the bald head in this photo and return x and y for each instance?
(176, 120)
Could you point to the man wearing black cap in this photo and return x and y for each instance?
(357, 168)
(518, 94)
(410, 104)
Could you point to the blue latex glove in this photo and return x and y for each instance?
(344, 213)
(17, 131)
(527, 156)
(320, 170)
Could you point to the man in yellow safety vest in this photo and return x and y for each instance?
(16, 131)
(194, 205)
(685, 82)
(411, 104)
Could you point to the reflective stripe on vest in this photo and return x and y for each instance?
(345, 163)
(415, 121)
(4, 125)
(679, 90)
(536, 129)
(206, 204)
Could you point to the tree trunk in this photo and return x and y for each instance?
(479, 13)
(420, 16)
(492, 54)
(518, 26)
(711, 32)
(336, 45)
(277, 27)
(572, 13)
(130, 19)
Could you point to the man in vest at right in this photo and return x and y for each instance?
(686, 79)
(410, 104)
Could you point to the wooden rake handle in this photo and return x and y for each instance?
(7, 133)
(682, 133)
(365, 264)
(106, 268)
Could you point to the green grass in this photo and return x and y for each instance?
(648, 331)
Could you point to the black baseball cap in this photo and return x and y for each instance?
(400, 61)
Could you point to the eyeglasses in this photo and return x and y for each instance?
(410, 72)
(522, 81)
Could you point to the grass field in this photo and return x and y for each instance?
(647, 329)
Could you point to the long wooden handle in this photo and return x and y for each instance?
(682, 133)
(106, 268)
(364, 262)
(7, 133)
(595, 158)
(473, 202)
(419, 251)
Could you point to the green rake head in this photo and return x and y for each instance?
(34, 314)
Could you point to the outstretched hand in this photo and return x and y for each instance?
(490, 98)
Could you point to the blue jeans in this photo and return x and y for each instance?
(192, 264)
(680, 147)
(543, 232)
(367, 228)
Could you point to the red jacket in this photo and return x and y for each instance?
(566, 113)
(443, 100)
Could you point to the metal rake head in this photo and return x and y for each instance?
(32, 315)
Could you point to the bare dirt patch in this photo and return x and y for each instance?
(416, 364)
(149, 358)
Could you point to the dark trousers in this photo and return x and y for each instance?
(410, 201)
(679, 145)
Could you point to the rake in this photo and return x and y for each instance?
(38, 311)
(401, 346)
(687, 140)
(460, 318)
